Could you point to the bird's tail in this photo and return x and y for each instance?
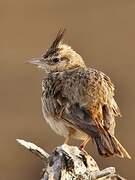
(108, 145)
(121, 150)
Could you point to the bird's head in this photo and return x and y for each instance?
(59, 57)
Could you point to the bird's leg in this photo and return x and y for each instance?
(66, 140)
(71, 131)
(84, 143)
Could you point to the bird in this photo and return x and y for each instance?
(78, 101)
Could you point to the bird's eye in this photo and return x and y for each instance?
(55, 60)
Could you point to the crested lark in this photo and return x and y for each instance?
(78, 102)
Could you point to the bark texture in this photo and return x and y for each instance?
(69, 163)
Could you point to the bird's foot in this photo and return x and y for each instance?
(81, 147)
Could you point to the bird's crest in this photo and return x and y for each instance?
(55, 44)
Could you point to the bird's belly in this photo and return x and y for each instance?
(57, 125)
(60, 128)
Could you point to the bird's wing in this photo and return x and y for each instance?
(80, 119)
(89, 108)
(94, 91)
(110, 88)
(109, 107)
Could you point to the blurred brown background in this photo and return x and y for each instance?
(103, 32)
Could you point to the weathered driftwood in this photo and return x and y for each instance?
(68, 163)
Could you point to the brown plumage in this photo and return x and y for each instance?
(77, 101)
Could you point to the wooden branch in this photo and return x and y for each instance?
(68, 162)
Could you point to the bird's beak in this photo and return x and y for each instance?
(39, 63)
(35, 62)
